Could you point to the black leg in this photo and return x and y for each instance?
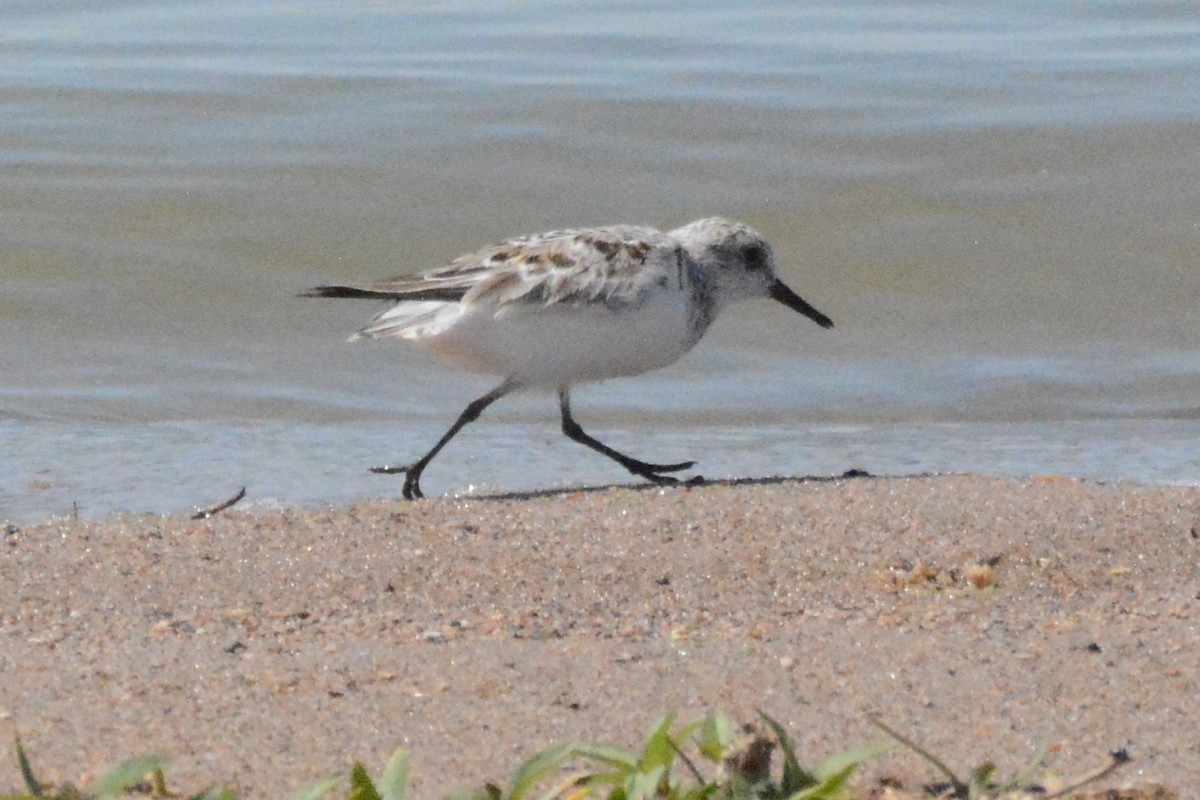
(651, 472)
(412, 473)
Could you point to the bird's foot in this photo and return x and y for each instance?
(654, 472)
(646, 470)
(412, 479)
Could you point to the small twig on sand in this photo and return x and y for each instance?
(1117, 759)
(219, 507)
(958, 786)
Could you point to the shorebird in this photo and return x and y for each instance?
(550, 310)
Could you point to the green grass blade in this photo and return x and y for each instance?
(658, 750)
(686, 731)
(393, 783)
(489, 792)
(795, 777)
(850, 758)
(645, 783)
(575, 784)
(538, 767)
(618, 757)
(828, 788)
(115, 781)
(319, 788)
(717, 734)
(740, 789)
(212, 794)
(683, 734)
(31, 782)
(158, 783)
(361, 787)
(981, 780)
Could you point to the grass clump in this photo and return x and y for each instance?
(983, 784)
(709, 759)
(142, 776)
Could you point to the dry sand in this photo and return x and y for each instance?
(264, 648)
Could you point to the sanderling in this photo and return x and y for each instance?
(554, 309)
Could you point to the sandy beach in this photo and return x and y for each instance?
(263, 648)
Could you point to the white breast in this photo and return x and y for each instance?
(561, 344)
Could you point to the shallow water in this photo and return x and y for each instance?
(997, 206)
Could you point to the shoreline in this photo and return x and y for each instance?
(264, 648)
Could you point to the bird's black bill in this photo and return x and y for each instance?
(779, 291)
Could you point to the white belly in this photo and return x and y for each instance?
(553, 346)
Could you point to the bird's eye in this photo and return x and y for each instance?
(756, 258)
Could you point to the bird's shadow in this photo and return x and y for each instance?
(693, 483)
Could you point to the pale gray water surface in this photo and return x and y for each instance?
(998, 204)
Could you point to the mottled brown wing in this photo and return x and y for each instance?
(615, 265)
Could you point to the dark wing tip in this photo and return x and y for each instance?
(450, 294)
(344, 291)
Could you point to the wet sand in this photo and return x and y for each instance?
(264, 648)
